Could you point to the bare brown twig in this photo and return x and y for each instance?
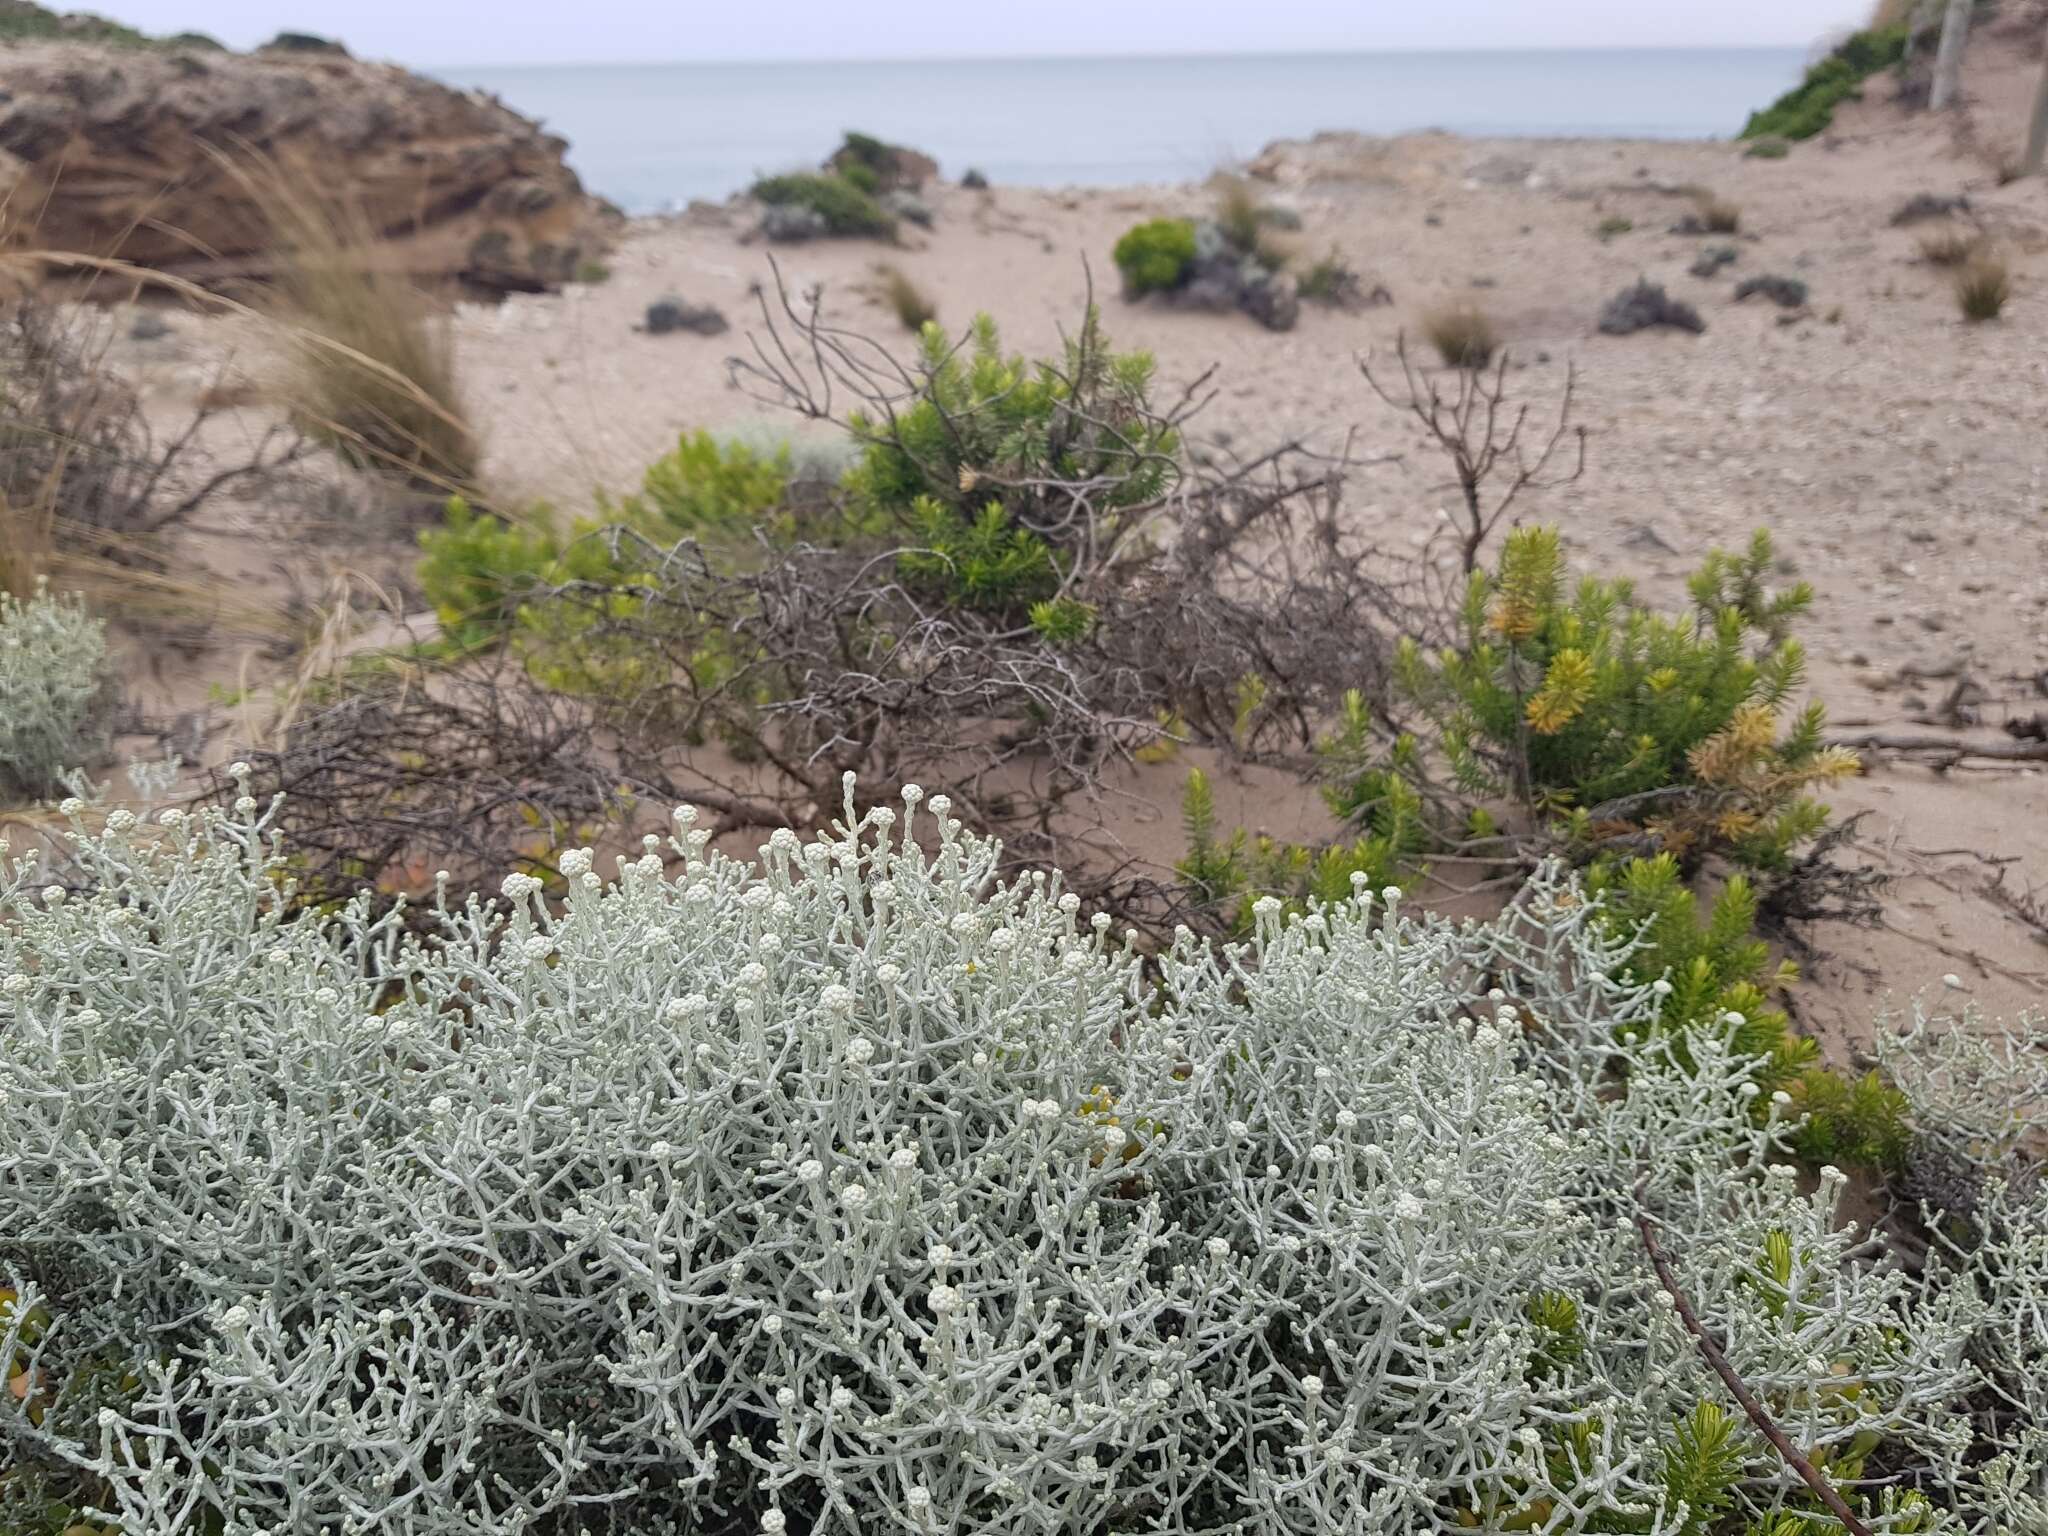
(1711, 1352)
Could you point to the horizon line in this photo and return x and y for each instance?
(1193, 55)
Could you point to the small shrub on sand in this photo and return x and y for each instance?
(1614, 224)
(1463, 335)
(1982, 286)
(1154, 257)
(1331, 280)
(1570, 696)
(374, 370)
(1717, 215)
(53, 680)
(844, 207)
(1953, 246)
(911, 304)
(592, 272)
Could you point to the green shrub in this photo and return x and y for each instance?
(1330, 280)
(1809, 107)
(1715, 979)
(1155, 256)
(1587, 705)
(1614, 224)
(863, 177)
(845, 208)
(1000, 468)
(53, 686)
(475, 569)
(717, 492)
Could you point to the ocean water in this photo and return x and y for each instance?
(654, 136)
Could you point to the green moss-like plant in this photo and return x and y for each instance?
(1809, 107)
(1155, 256)
(845, 208)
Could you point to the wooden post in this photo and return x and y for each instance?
(2037, 129)
(1948, 60)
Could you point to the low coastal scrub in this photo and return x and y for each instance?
(859, 1189)
(1231, 261)
(1154, 257)
(840, 205)
(1809, 107)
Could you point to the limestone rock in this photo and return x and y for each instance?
(116, 149)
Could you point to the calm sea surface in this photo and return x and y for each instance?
(654, 136)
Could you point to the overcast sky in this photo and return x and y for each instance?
(457, 32)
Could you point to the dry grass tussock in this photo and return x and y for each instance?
(374, 370)
(1953, 245)
(1982, 286)
(1718, 214)
(910, 303)
(1463, 335)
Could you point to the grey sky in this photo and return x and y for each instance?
(455, 32)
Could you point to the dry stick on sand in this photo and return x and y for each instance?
(1947, 749)
(1809, 1474)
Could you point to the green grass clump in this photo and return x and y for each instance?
(1155, 256)
(1809, 107)
(845, 208)
(1614, 224)
(1228, 874)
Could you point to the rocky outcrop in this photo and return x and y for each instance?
(117, 151)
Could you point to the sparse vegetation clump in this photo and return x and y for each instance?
(1953, 245)
(1611, 226)
(1983, 284)
(842, 206)
(908, 302)
(1809, 107)
(1646, 306)
(54, 687)
(1330, 279)
(1155, 257)
(1717, 215)
(1463, 335)
(374, 368)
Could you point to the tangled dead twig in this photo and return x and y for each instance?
(1485, 437)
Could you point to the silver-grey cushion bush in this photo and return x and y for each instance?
(858, 1193)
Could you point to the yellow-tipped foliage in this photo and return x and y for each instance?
(1622, 719)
